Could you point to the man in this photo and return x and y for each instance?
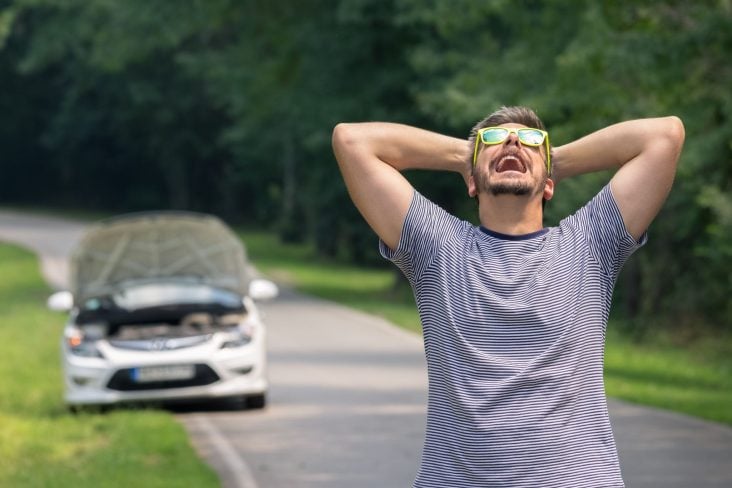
(513, 313)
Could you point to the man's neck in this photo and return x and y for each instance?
(510, 214)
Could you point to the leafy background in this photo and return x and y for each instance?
(227, 107)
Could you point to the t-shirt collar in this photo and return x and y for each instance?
(521, 237)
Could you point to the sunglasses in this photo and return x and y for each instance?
(491, 136)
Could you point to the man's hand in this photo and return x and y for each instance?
(645, 152)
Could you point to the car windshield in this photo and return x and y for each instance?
(162, 294)
(158, 302)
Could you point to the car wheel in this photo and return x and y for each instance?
(256, 401)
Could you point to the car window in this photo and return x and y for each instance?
(157, 294)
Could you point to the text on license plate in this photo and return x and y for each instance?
(163, 373)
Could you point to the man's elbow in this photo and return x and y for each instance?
(675, 132)
(343, 137)
(665, 143)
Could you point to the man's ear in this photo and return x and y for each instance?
(472, 190)
(548, 189)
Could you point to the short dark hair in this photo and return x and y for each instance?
(505, 115)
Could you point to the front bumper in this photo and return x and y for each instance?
(218, 373)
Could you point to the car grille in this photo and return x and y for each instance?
(122, 380)
(160, 343)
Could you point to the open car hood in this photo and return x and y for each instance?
(158, 246)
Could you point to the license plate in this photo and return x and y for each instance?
(163, 373)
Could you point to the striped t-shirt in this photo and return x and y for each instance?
(514, 333)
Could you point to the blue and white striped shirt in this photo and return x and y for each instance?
(514, 333)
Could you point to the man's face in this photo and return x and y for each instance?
(510, 168)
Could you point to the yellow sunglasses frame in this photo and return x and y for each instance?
(513, 130)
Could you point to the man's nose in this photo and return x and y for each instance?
(512, 140)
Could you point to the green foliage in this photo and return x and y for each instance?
(227, 106)
(584, 65)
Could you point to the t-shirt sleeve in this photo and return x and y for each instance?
(605, 233)
(426, 229)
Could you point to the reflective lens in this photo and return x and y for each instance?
(532, 137)
(494, 136)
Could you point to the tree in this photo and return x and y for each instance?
(584, 65)
(228, 106)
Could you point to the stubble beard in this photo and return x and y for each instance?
(511, 187)
(518, 188)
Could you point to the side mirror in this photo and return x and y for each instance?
(61, 301)
(260, 289)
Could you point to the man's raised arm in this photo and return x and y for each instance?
(371, 156)
(645, 151)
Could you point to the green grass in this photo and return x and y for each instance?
(43, 445)
(695, 379)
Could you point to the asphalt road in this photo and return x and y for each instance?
(348, 395)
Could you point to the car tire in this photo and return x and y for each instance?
(256, 401)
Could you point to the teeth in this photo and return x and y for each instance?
(509, 156)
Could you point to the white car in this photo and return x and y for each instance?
(162, 308)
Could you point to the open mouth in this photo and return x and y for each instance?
(510, 162)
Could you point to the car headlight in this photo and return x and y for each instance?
(79, 345)
(240, 336)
